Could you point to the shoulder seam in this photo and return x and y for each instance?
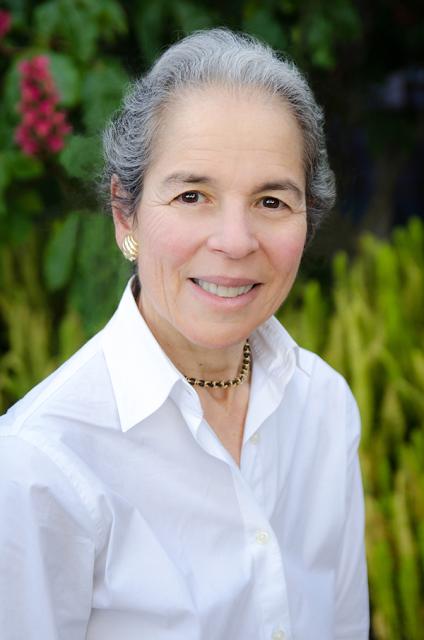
(69, 478)
(49, 392)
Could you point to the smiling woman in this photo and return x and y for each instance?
(191, 473)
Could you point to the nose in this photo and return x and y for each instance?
(233, 234)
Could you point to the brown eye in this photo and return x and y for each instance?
(190, 197)
(272, 203)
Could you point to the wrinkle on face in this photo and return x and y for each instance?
(233, 143)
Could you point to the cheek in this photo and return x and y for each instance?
(287, 251)
(163, 241)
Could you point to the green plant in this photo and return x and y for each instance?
(372, 331)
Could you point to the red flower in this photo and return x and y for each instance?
(43, 124)
(5, 22)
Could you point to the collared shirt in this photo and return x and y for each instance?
(123, 515)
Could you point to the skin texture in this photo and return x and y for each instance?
(225, 146)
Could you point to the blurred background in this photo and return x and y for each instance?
(359, 299)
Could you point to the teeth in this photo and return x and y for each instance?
(223, 292)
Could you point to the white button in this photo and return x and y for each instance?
(262, 537)
(278, 635)
(255, 438)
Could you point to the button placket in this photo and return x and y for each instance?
(270, 581)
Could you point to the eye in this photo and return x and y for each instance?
(191, 197)
(272, 203)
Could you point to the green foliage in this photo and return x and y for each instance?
(81, 157)
(60, 252)
(372, 330)
(101, 93)
(61, 273)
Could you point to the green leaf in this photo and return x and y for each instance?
(148, 21)
(69, 22)
(22, 167)
(190, 16)
(14, 165)
(101, 272)
(26, 202)
(66, 77)
(111, 19)
(11, 91)
(265, 26)
(102, 93)
(320, 38)
(79, 25)
(59, 256)
(81, 156)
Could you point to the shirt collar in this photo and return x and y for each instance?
(143, 376)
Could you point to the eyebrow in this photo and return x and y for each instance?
(192, 178)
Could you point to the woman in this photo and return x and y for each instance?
(191, 473)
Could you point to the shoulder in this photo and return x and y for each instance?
(41, 449)
(330, 397)
(82, 371)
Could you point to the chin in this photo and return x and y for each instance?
(219, 337)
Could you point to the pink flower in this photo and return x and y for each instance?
(24, 66)
(46, 107)
(5, 22)
(30, 147)
(30, 93)
(55, 143)
(41, 63)
(43, 126)
(30, 117)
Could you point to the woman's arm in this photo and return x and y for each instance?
(47, 554)
(352, 604)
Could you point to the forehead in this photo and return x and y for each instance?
(226, 130)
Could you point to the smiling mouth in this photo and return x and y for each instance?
(221, 291)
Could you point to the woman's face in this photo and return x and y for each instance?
(222, 221)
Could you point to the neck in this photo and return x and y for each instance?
(193, 360)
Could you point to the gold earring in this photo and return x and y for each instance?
(130, 248)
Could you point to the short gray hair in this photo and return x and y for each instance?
(213, 56)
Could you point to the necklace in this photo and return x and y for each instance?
(232, 382)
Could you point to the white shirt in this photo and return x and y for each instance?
(123, 516)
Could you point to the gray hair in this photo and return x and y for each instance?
(214, 56)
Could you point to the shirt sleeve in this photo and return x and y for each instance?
(46, 551)
(352, 601)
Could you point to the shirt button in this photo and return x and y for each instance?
(278, 635)
(262, 537)
(255, 438)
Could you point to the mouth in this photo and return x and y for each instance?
(223, 291)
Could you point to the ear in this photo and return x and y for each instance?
(123, 223)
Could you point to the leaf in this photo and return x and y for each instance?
(190, 16)
(101, 272)
(149, 23)
(79, 25)
(320, 38)
(60, 252)
(81, 156)
(66, 77)
(264, 25)
(70, 23)
(26, 202)
(102, 93)
(111, 19)
(11, 90)
(23, 167)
